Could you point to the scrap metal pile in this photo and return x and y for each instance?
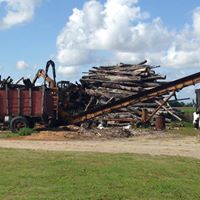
(106, 84)
(6, 81)
(72, 97)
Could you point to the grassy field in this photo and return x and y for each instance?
(188, 113)
(189, 110)
(188, 131)
(185, 129)
(55, 175)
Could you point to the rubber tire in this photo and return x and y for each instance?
(31, 123)
(15, 121)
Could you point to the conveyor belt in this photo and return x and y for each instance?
(173, 86)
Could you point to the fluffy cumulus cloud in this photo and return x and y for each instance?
(67, 71)
(119, 31)
(17, 12)
(20, 65)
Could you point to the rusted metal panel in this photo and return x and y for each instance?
(36, 105)
(2, 103)
(19, 100)
(25, 103)
(13, 102)
(7, 100)
(48, 106)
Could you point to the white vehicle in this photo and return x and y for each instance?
(196, 121)
(196, 115)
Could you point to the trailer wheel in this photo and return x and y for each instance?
(17, 123)
(31, 122)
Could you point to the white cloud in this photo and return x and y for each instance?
(17, 12)
(72, 56)
(196, 22)
(67, 71)
(122, 30)
(20, 65)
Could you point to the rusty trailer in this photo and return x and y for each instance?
(22, 107)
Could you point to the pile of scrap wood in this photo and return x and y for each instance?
(73, 98)
(109, 83)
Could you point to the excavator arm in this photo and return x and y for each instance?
(44, 74)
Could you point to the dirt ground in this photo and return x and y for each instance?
(153, 144)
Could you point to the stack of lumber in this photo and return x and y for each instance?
(120, 81)
(109, 83)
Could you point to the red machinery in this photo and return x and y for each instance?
(23, 105)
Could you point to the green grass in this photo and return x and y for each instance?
(25, 131)
(21, 132)
(185, 131)
(8, 135)
(188, 110)
(41, 175)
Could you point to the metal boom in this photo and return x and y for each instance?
(172, 86)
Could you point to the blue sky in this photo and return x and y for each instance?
(164, 32)
(174, 13)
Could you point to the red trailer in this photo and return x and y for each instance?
(22, 107)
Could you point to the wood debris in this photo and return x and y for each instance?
(110, 83)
